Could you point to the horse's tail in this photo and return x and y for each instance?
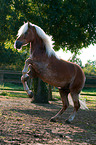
(82, 103)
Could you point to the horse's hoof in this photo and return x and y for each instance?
(30, 95)
(52, 120)
(67, 122)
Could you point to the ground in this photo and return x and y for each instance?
(26, 123)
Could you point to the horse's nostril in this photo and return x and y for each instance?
(18, 44)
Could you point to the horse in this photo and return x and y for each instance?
(43, 63)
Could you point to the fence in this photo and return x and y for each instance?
(15, 77)
(10, 76)
(90, 82)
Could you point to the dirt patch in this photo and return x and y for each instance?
(22, 122)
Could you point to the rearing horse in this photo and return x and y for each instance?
(44, 63)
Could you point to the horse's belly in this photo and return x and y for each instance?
(53, 78)
(54, 82)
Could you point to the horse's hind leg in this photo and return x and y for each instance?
(75, 98)
(64, 98)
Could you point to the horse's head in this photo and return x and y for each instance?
(25, 35)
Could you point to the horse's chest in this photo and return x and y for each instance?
(42, 68)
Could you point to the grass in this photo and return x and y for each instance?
(12, 90)
(89, 92)
(88, 95)
(19, 94)
(4, 93)
(11, 86)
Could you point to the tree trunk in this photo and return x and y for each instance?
(40, 91)
(50, 92)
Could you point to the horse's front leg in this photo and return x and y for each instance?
(25, 70)
(26, 76)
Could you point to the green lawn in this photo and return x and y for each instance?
(12, 90)
(11, 86)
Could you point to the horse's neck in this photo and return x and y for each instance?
(38, 50)
(37, 46)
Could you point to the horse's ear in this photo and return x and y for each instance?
(28, 25)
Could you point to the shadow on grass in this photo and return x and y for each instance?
(88, 94)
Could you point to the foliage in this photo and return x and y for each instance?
(10, 59)
(75, 60)
(71, 23)
(90, 68)
(8, 20)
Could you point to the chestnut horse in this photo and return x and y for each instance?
(45, 64)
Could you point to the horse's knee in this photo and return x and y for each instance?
(32, 73)
(24, 78)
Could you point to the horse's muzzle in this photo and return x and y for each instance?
(18, 44)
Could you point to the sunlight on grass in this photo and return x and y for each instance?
(16, 91)
(89, 99)
(4, 93)
(10, 86)
(18, 95)
(56, 95)
(89, 92)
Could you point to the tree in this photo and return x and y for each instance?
(72, 23)
(40, 91)
(8, 20)
(90, 68)
(75, 60)
(4, 10)
(50, 92)
(10, 59)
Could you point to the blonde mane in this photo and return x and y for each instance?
(46, 38)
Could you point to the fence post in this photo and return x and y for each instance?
(1, 78)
